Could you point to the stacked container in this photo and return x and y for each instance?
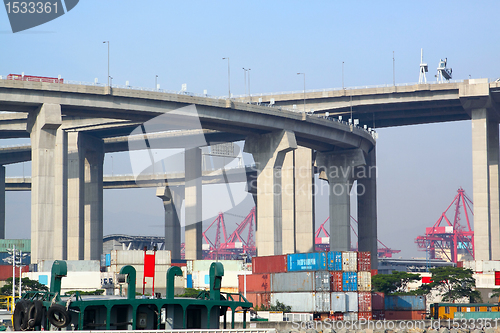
(404, 307)
(334, 283)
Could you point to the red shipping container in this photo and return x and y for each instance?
(6, 271)
(365, 315)
(269, 264)
(374, 272)
(378, 314)
(364, 261)
(256, 283)
(336, 281)
(364, 301)
(405, 315)
(497, 278)
(337, 316)
(378, 301)
(460, 264)
(259, 299)
(426, 279)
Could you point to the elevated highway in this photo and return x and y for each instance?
(72, 126)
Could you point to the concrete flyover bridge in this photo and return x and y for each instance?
(474, 99)
(70, 126)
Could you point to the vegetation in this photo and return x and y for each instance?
(453, 283)
(82, 293)
(395, 283)
(278, 307)
(190, 292)
(27, 285)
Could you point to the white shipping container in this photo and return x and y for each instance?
(136, 257)
(349, 261)
(485, 280)
(364, 281)
(338, 302)
(351, 316)
(351, 302)
(322, 302)
(229, 265)
(299, 302)
(275, 316)
(479, 266)
(292, 282)
(238, 317)
(491, 266)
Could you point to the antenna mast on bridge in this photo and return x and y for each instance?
(423, 69)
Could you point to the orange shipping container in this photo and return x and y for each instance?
(364, 262)
(337, 316)
(365, 302)
(404, 315)
(256, 283)
(336, 281)
(269, 264)
(6, 271)
(259, 299)
(365, 315)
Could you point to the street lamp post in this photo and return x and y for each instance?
(249, 95)
(245, 79)
(304, 89)
(156, 83)
(108, 60)
(244, 256)
(228, 78)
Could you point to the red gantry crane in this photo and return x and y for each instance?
(322, 242)
(451, 237)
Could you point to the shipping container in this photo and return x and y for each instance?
(491, 266)
(5, 255)
(485, 280)
(259, 299)
(73, 265)
(229, 265)
(350, 316)
(322, 302)
(20, 244)
(338, 302)
(374, 272)
(136, 257)
(269, 264)
(292, 282)
(337, 316)
(404, 303)
(334, 260)
(336, 281)
(350, 281)
(378, 302)
(404, 315)
(6, 271)
(477, 315)
(299, 302)
(364, 281)
(349, 261)
(378, 314)
(315, 261)
(364, 302)
(364, 261)
(322, 281)
(365, 315)
(351, 302)
(256, 283)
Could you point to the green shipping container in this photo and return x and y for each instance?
(20, 244)
(477, 315)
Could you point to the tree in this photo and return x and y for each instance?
(27, 285)
(395, 283)
(454, 283)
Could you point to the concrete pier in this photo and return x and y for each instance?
(269, 151)
(43, 127)
(338, 168)
(171, 204)
(193, 205)
(367, 207)
(2, 202)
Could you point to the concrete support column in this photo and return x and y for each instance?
(367, 207)
(172, 201)
(304, 200)
(269, 152)
(2, 202)
(288, 203)
(43, 126)
(485, 185)
(193, 204)
(85, 196)
(338, 168)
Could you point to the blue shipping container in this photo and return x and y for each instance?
(189, 281)
(405, 303)
(334, 261)
(307, 262)
(350, 281)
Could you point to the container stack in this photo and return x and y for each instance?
(404, 307)
(337, 284)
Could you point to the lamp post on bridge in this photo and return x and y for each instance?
(228, 78)
(108, 61)
(156, 83)
(304, 89)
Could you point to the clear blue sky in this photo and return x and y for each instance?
(420, 167)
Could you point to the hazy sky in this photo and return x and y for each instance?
(183, 42)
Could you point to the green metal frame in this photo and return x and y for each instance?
(211, 299)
